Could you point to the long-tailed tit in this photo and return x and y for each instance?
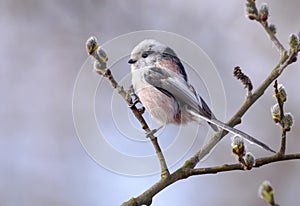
(161, 83)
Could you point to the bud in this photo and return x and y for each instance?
(272, 28)
(251, 9)
(287, 121)
(282, 96)
(91, 45)
(101, 59)
(294, 59)
(238, 147)
(249, 160)
(101, 55)
(264, 13)
(275, 111)
(266, 192)
(251, 15)
(294, 42)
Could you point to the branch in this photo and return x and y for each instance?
(280, 101)
(281, 98)
(101, 58)
(262, 16)
(126, 96)
(259, 162)
(283, 142)
(146, 197)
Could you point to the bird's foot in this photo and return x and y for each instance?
(151, 133)
(135, 100)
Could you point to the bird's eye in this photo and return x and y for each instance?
(145, 55)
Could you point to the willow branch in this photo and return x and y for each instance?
(273, 38)
(261, 15)
(127, 97)
(280, 102)
(146, 197)
(231, 167)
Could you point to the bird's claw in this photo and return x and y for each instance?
(141, 110)
(134, 101)
(151, 133)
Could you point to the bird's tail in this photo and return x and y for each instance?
(215, 122)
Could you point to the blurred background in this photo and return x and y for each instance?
(42, 50)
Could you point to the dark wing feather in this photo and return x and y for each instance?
(209, 113)
(169, 53)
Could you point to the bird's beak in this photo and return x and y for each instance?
(132, 61)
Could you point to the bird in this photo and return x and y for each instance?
(161, 84)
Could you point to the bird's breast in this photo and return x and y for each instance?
(161, 107)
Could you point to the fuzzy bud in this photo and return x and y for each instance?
(294, 42)
(266, 192)
(238, 147)
(249, 160)
(101, 59)
(275, 111)
(91, 45)
(98, 53)
(272, 28)
(264, 13)
(282, 96)
(287, 121)
(251, 15)
(251, 10)
(101, 55)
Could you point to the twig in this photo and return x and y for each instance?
(274, 39)
(146, 197)
(231, 167)
(279, 101)
(261, 16)
(100, 67)
(126, 96)
(164, 168)
(283, 142)
(283, 132)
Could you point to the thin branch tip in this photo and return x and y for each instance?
(100, 67)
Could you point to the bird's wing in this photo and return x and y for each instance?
(167, 80)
